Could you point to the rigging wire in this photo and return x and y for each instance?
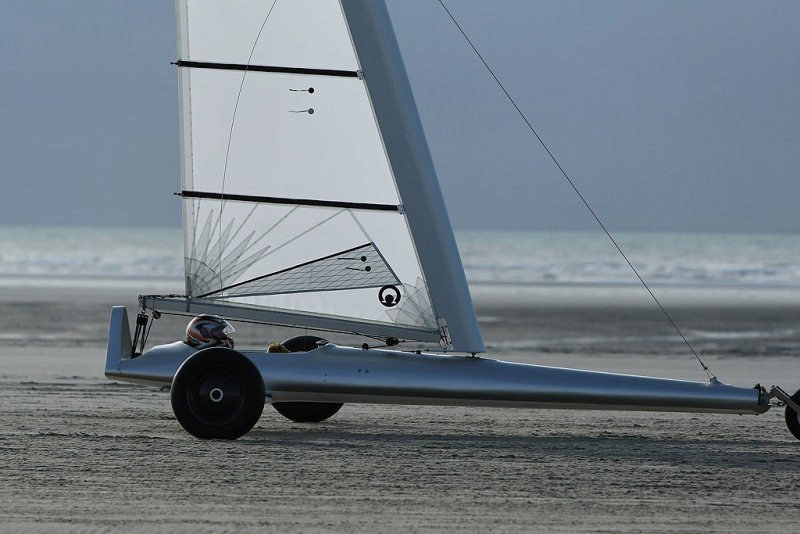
(577, 191)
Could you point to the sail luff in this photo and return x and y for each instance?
(406, 146)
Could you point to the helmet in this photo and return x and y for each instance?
(209, 331)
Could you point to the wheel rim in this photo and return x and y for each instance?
(216, 396)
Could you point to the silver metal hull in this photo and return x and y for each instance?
(342, 374)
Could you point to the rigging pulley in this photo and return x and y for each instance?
(141, 332)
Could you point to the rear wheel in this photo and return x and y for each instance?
(305, 412)
(792, 417)
(217, 393)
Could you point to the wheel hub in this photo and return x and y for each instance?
(219, 395)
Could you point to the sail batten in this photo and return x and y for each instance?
(291, 201)
(266, 68)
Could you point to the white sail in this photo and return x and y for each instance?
(291, 203)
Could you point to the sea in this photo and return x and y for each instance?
(133, 257)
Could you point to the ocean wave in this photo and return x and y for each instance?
(546, 258)
(489, 257)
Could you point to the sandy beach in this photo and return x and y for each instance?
(83, 454)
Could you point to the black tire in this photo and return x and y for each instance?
(793, 418)
(217, 393)
(305, 412)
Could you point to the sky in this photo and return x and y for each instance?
(667, 115)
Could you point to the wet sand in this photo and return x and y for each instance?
(84, 454)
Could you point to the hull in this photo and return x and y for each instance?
(343, 374)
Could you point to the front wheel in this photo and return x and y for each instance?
(217, 393)
(305, 412)
(792, 417)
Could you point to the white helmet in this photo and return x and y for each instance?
(209, 331)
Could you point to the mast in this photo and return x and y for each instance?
(407, 149)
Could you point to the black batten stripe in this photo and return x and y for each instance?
(264, 68)
(290, 201)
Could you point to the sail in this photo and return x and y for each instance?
(291, 202)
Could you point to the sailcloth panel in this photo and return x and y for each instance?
(283, 171)
(277, 148)
(296, 33)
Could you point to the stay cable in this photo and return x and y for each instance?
(577, 191)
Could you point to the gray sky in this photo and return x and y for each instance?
(668, 115)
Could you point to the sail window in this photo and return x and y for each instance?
(357, 268)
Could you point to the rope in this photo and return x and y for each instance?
(577, 191)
